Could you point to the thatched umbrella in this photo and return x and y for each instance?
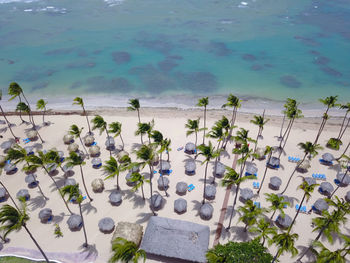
(246, 194)
(165, 167)
(23, 193)
(155, 160)
(180, 206)
(69, 181)
(45, 215)
(94, 150)
(181, 188)
(61, 155)
(190, 148)
(251, 169)
(75, 222)
(3, 194)
(320, 205)
(128, 180)
(261, 153)
(106, 225)
(97, 185)
(284, 222)
(73, 147)
(10, 168)
(206, 211)
(29, 150)
(67, 169)
(273, 163)
(7, 145)
(96, 162)
(310, 180)
(304, 166)
(157, 201)
(163, 183)
(121, 154)
(2, 122)
(51, 167)
(328, 157)
(31, 134)
(210, 192)
(30, 179)
(347, 197)
(68, 139)
(326, 188)
(275, 183)
(220, 170)
(343, 180)
(115, 198)
(88, 140)
(190, 167)
(110, 143)
(2, 160)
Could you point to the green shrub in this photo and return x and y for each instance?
(334, 143)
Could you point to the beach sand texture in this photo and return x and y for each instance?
(132, 209)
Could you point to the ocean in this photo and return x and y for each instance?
(171, 51)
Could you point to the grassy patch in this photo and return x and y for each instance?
(17, 260)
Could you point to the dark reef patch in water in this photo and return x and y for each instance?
(40, 86)
(257, 67)
(176, 57)
(331, 72)
(308, 41)
(33, 74)
(159, 43)
(314, 52)
(76, 85)
(321, 60)
(121, 57)
(167, 65)
(197, 82)
(100, 84)
(290, 81)
(219, 49)
(81, 65)
(249, 57)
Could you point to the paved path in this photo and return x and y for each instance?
(224, 207)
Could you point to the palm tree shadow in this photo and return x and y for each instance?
(136, 199)
(290, 199)
(197, 206)
(225, 154)
(37, 202)
(88, 207)
(135, 146)
(38, 146)
(144, 217)
(309, 256)
(58, 218)
(335, 167)
(239, 234)
(90, 252)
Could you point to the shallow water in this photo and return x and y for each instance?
(269, 49)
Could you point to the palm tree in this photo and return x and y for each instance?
(126, 251)
(19, 155)
(330, 102)
(268, 152)
(166, 144)
(41, 105)
(242, 137)
(260, 121)
(40, 161)
(277, 204)
(235, 103)
(116, 129)
(193, 127)
(113, 169)
(209, 153)
(79, 101)
(250, 214)
(146, 154)
(231, 177)
(13, 200)
(76, 132)
(342, 128)
(328, 256)
(345, 150)
(285, 243)
(139, 181)
(135, 106)
(347, 162)
(308, 189)
(7, 122)
(15, 91)
(76, 160)
(145, 128)
(22, 107)
(329, 223)
(73, 192)
(203, 102)
(264, 230)
(309, 149)
(12, 219)
(157, 137)
(100, 124)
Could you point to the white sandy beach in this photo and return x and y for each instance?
(172, 124)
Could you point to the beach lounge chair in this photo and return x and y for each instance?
(190, 187)
(257, 204)
(324, 162)
(256, 185)
(248, 174)
(293, 159)
(94, 143)
(26, 140)
(180, 148)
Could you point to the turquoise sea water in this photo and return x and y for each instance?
(256, 48)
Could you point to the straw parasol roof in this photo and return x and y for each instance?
(284, 222)
(75, 222)
(51, 167)
(275, 183)
(10, 167)
(96, 161)
(165, 166)
(310, 180)
(88, 140)
(180, 206)
(23, 193)
(67, 168)
(187, 240)
(163, 182)
(274, 161)
(31, 179)
(321, 205)
(121, 154)
(190, 148)
(45, 214)
(73, 147)
(7, 145)
(3, 193)
(68, 139)
(106, 225)
(251, 169)
(110, 143)
(155, 160)
(328, 157)
(115, 198)
(210, 192)
(190, 167)
(31, 134)
(97, 185)
(260, 152)
(157, 201)
(246, 194)
(70, 181)
(128, 179)
(129, 231)
(28, 149)
(304, 165)
(344, 180)
(181, 188)
(94, 150)
(220, 169)
(326, 188)
(206, 211)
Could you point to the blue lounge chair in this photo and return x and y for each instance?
(249, 174)
(26, 140)
(325, 162)
(97, 166)
(256, 185)
(94, 143)
(180, 148)
(190, 187)
(154, 172)
(257, 204)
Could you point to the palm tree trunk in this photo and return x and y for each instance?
(138, 115)
(205, 180)
(323, 123)
(81, 141)
(285, 137)
(20, 112)
(82, 178)
(284, 117)
(82, 219)
(110, 152)
(233, 120)
(36, 243)
(342, 179)
(275, 257)
(167, 152)
(13, 200)
(162, 176)
(150, 184)
(195, 144)
(285, 141)
(41, 139)
(87, 119)
(342, 125)
(205, 119)
(233, 207)
(41, 191)
(290, 178)
(216, 161)
(8, 123)
(263, 241)
(143, 194)
(273, 214)
(121, 138)
(262, 182)
(296, 215)
(256, 141)
(245, 228)
(346, 126)
(347, 147)
(284, 134)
